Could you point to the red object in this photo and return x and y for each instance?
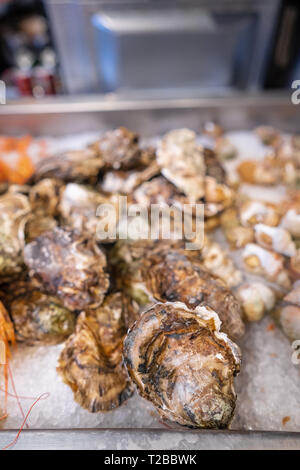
(23, 82)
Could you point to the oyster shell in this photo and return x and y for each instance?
(173, 277)
(183, 365)
(215, 260)
(266, 263)
(14, 212)
(118, 149)
(291, 222)
(159, 191)
(275, 238)
(213, 166)
(182, 162)
(225, 149)
(256, 299)
(70, 266)
(212, 129)
(125, 182)
(41, 318)
(38, 225)
(163, 271)
(237, 235)
(78, 208)
(73, 165)
(91, 362)
(268, 135)
(44, 196)
(254, 212)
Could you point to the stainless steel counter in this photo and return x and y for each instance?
(133, 439)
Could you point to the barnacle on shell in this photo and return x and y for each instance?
(91, 362)
(69, 265)
(180, 362)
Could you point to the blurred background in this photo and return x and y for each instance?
(148, 47)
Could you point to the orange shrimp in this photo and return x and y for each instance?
(24, 168)
(7, 337)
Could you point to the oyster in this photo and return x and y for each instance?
(182, 162)
(70, 266)
(163, 271)
(264, 172)
(268, 135)
(14, 212)
(225, 149)
(91, 362)
(294, 265)
(287, 313)
(159, 191)
(41, 318)
(44, 196)
(37, 225)
(213, 166)
(125, 182)
(215, 260)
(118, 149)
(217, 196)
(237, 235)
(73, 165)
(183, 365)
(173, 277)
(212, 129)
(78, 208)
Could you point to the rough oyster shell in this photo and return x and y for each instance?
(70, 266)
(78, 208)
(125, 182)
(118, 149)
(41, 318)
(174, 277)
(182, 162)
(183, 365)
(91, 362)
(164, 271)
(73, 165)
(213, 166)
(14, 211)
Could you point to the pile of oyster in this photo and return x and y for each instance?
(148, 315)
